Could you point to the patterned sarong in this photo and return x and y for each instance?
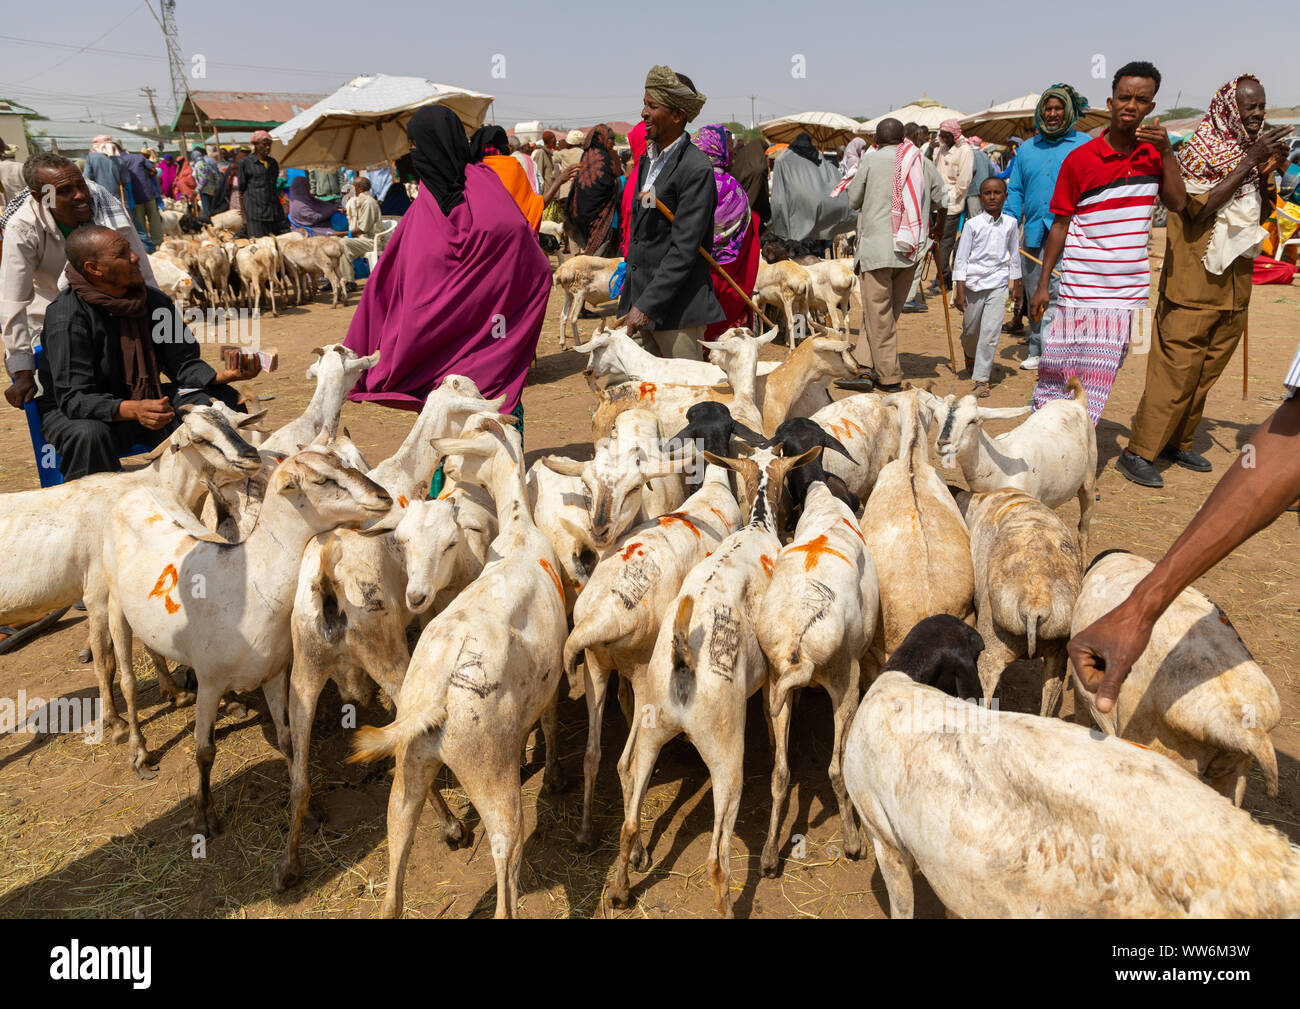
(1089, 344)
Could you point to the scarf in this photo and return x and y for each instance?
(803, 146)
(954, 127)
(440, 155)
(139, 365)
(674, 91)
(594, 196)
(490, 139)
(1075, 106)
(636, 141)
(852, 155)
(731, 216)
(1219, 142)
(905, 200)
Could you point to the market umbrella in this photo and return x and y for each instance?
(1016, 119)
(925, 112)
(363, 123)
(827, 129)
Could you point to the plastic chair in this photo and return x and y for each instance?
(47, 460)
(386, 228)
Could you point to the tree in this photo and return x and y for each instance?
(1183, 112)
(741, 132)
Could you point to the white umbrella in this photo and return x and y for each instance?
(1015, 118)
(827, 129)
(925, 113)
(363, 123)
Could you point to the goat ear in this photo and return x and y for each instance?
(322, 437)
(1003, 412)
(287, 481)
(251, 418)
(363, 363)
(495, 405)
(565, 467)
(721, 460)
(711, 344)
(804, 457)
(767, 337)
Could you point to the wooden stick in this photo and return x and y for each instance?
(1055, 273)
(1245, 358)
(713, 263)
(947, 318)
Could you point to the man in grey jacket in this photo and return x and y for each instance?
(667, 295)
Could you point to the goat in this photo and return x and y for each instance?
(585, 282)
(1051, 456)
(617, 617)
(869, 430)
(916, 535)
(1013, 815)
(800, 387)
(171, 278)
(229, 618)
(256, 265)
(1027, 574)
(798, 434)
(705, 665)
(476, 687)
(1195, 694)
(783, 283)
(817, 618)
(831, 285)
(614, 354)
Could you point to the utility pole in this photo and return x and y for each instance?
(171, 37)
(753, 116)
(149, 93)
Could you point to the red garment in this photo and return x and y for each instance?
(184, 185)
(744, 270)
(635, 140)
(1270, 271)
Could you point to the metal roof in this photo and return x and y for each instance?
(242, 110)
(74, 137)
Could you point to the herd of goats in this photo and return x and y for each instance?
(736, 531)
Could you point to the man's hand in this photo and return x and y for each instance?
(959, 295)
(568, 173)
(23, 390)
(1038, 303)
(1105, 650)
(1268, 144)
(637, 320)
(154, 414)
(1156, 137)
(227, 375)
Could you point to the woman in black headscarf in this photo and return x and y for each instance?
(803, 146)
(595, 196)
(439, 154)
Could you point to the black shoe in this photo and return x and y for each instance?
(916, 306)
(858, 383)
(1187, 460)
(888, 387)
(1137, 469)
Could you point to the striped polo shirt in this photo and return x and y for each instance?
(1108, 197)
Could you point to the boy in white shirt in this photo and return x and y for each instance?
(988, 256)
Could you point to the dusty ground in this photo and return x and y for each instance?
(80, 835)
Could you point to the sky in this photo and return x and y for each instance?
(579, 63)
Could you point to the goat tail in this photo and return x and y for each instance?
(790, 676)
(1076, 390)
(683, 655)
(575, 645)
(376, 742)
(1031, 631)
(1261, 748)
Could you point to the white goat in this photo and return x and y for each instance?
(869, 429)
(786, 284)
(831, 285)
(706, 664)
(1051, 456)
(1195, 694)
(219, 607)
(614, 353)
(585, 282)
(476, 686)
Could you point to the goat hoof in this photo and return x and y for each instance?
(182, 698)
(618, 897)
(287, 874)
(640, 858)
(206, 824)
(143, 771)
(457, 835)
(771, 866)
(120, 731)
(585, 839)
(554, 782)
(236, 709)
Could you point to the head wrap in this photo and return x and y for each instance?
(104, 144)
(1075, 106)
(548, 138)
(1219, 142)
(573, 138)
(954, 127)
(259, 135)
(490, 139)
(1015, 140)
(668, 88)
(594, 196)
(803, 146)
(853, 154)
(440, 155)
(731, 217)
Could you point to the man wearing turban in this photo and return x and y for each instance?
(668, 297)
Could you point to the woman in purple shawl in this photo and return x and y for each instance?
(731, 219)
(305, 209)
(462, 285)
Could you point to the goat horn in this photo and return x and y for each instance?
(746, 434)
(828, 440)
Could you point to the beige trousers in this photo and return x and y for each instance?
(684, 343)
(884, 292)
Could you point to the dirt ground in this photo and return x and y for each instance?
(81, 836)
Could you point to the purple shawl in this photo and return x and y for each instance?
(461, 294)
(731, 218)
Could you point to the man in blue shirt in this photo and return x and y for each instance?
(1029, 190)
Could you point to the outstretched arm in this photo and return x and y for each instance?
(1263, 481)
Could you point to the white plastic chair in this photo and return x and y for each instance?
(387, 226)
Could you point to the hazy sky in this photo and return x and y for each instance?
(580, 63)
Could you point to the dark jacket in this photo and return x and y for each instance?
(143, 177)
(749, 168)
(83, 356)
(667, 278)
(259, 200)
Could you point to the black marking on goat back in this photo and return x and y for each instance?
(814, 605)
(635, 580)
(1105, 553)
(372, 597)
(470, 673)
(724, 643)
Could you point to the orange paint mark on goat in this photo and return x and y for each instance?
(721, 517)
(554, 577)
(163, 587)
(626, 552)
(679, 517)
(446, 494)
(843, 429)
(401, 500)
(152, 519)
(813, 551)
(766, 561)
(856, 531)
(647, 389)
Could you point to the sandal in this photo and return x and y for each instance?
(981, 390)
(1013, 328)
(12, 637)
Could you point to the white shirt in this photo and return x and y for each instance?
(988, 255)
(657, 161)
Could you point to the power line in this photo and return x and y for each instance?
(82, 49)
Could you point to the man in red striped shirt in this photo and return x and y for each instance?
(1102, 204)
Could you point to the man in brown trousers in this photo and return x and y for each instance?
(1205, 284)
